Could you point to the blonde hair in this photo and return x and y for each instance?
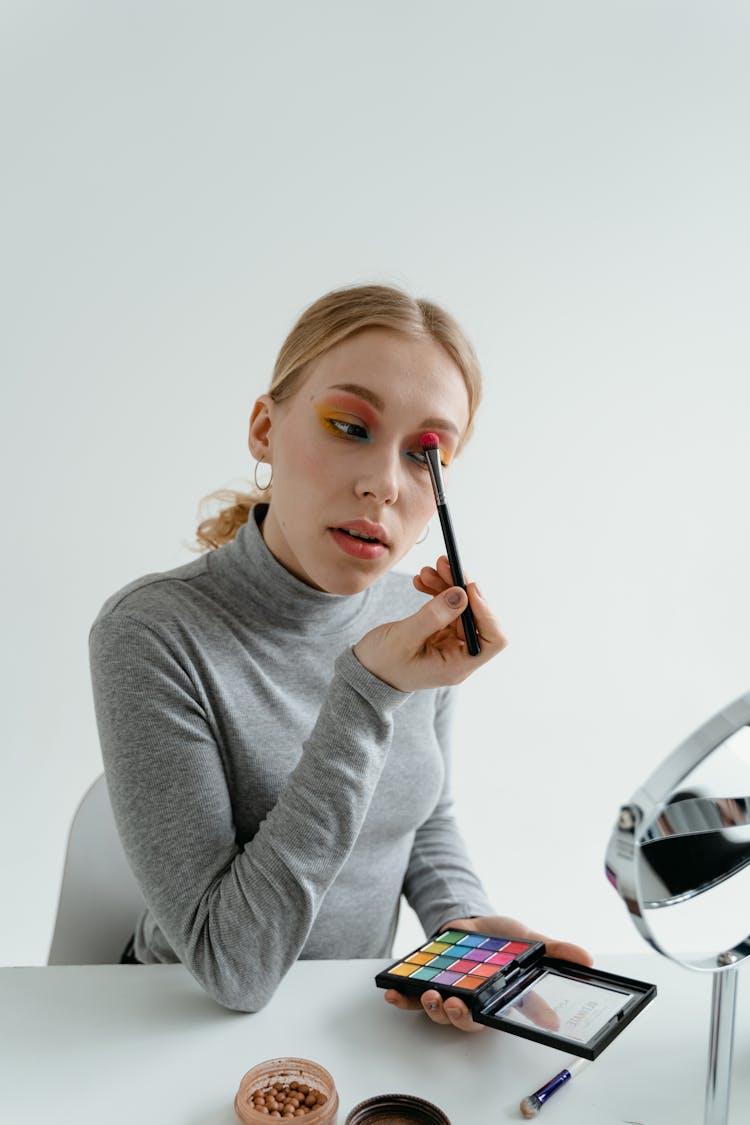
(324, 324)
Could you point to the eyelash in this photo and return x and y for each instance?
(343, 429)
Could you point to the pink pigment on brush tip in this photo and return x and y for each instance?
(429, 441)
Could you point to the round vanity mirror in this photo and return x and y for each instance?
(679, 857)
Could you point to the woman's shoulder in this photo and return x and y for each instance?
(154, 595)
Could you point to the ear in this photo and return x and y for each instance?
(259, 437)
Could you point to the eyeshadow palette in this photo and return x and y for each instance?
(511, 985)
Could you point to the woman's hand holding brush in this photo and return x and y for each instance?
(428, 649)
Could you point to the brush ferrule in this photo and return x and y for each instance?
(433, 464)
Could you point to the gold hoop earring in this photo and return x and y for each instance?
(425, 533)
(258, 485)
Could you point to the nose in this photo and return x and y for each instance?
(378, 477)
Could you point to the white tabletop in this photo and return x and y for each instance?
(122, 1044)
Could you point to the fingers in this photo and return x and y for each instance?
(434, 616)
(451, 1011)
(435, 580)
(488, 626)
(428, 648)
(511, 927)
(566, 951)
(405, 1003)
(562, 950)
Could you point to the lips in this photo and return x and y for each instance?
(361, 539)
(365, 530)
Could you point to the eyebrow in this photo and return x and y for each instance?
(376, 401)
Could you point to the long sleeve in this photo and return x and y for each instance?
(440, 882)
(236, 916)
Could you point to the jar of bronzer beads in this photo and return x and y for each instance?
(295, 1090)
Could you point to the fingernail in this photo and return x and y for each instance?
(453, 598)
(452, 1013)
(431, 1005)
(478, 591)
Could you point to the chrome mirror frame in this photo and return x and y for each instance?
(652, 814)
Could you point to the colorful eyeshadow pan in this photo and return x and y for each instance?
(420, 958)
(479, 955)
(500, 958)
(482, 971)
(470, 939)
(442, 962)
(424, 974)
(436, 947)
(469, 982)
(447, 978)
(494, 944)
(403, 970)
(453, 936)
(464, 966)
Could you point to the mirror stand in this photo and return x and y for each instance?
(720, 1045)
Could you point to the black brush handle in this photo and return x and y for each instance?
(457, 574)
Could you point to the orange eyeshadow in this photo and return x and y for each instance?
(420, 958)
(403, 970)
(484, 970)
(469, 982)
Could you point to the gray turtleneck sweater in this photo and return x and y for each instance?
(274, 798)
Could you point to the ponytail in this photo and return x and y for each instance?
(216, 530)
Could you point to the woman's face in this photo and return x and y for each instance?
(351, 491)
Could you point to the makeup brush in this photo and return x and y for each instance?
(431, 445)
(531, 1105)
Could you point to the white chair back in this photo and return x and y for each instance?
(100, 900)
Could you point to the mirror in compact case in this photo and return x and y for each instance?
(679, 857)
(512, 986)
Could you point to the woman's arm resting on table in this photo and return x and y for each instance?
(236, 916)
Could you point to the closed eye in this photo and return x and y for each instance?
(419, 458)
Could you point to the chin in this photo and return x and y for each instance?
(351, 584)
(349, 580)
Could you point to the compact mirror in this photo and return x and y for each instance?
(679, 857)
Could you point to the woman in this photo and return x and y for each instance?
(274, 715)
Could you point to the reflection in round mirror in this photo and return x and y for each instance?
(694, 861)
(680, 853)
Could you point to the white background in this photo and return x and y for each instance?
(572, 180)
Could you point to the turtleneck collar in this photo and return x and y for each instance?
(251, 575)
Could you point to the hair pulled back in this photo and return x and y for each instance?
(328, 321)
